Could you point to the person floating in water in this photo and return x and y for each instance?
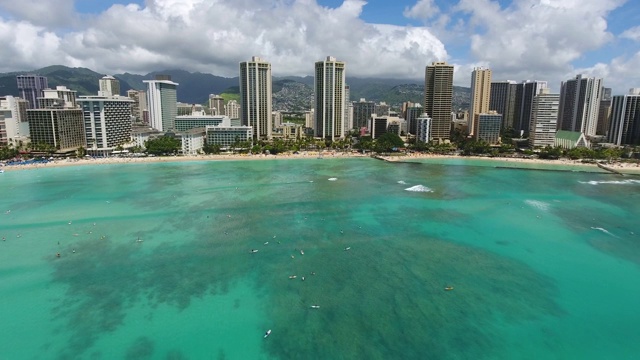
(57, 254)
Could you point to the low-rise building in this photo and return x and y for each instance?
(571, 139)
(228, 136)
(199, 120)
(192, 140)
(487, 127)
(140, 135)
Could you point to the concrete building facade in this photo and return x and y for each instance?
(330, 101)
(544, 119)
(580, 105)
(216, 104)
(423, 128)
(503, 101)
(30, 88)
(139, 104)
(109, 86)
(62, 129)
(227, 136)
(188, 122)
(13, 111)
(232, 109)
(525, 92)
(487, 128)
(162, 99)
(480, 95)
(60, 96)
(107, 122)
(625, 119)
(438, 98)
(256, 96)
(362, 111)
(604, 112)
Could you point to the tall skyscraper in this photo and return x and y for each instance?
(348, 109)
(109, 86)
(30, 87)
(255, 96)
(480, 95)
(107, 122)
(216, 104)
(544, 119)
(139, 104)
(438, 98)
(232, 109)
(412, 114)
(362, 111)
(580, 104)
(503, 101)
(162, 100)
(604, 112)
(625, 119)
(525, 92)
(330, 78)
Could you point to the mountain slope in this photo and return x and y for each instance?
(290, 93)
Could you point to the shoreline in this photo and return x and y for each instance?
(624, 168)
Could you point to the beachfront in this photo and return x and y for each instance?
(627, 168)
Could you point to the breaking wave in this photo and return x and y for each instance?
(402, 182)
(419, 188)
(603, 230)
(332, 179)
(614, 182)
(540, 205)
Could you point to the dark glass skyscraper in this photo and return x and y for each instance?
(31, 87)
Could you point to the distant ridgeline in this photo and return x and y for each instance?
(291, 93)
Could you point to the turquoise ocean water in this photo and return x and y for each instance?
(156, 263)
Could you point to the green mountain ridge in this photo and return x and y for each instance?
(292, 93)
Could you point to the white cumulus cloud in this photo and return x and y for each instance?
(214, 36)
(632, 33)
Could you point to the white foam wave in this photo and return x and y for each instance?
(419, 188)
(603, 230)
(613, 182)
(332, 179)
(402, 182)
(540, 205)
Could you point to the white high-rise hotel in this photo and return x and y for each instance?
(107, 121)
(330, 99)
(544, 119)
(162, 104)
(255, 96)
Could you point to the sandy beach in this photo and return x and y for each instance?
(627, 168)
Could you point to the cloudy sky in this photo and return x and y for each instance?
(549, 40)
